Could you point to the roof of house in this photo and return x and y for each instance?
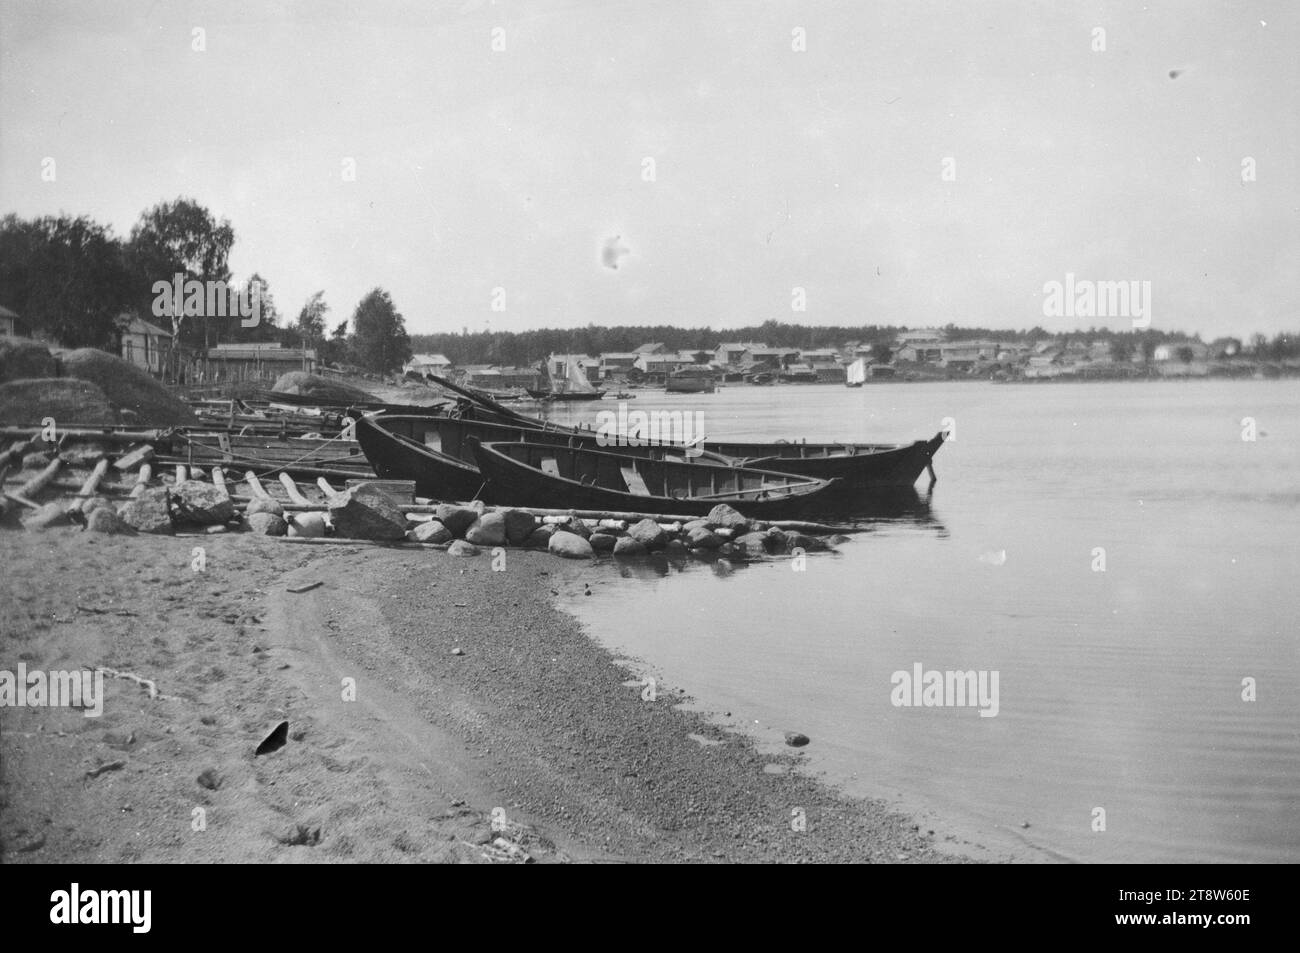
(440, 359)
(138, 325)
(648, 348)
(619, 355)
(6, 313)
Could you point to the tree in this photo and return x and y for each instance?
(337, 349)
(65, 276)
(1122, 348)
(311, 320)
(880, 352)
(178, 237)
(380, 342)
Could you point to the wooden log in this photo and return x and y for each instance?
(92, 481)
(16, 452)
(134, 458)
(38, 482)
(219, 477)
(182, 473)
(255, 485)
(291, 488)
(142, 480)
(326, 488)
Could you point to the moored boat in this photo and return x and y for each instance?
(533, 474)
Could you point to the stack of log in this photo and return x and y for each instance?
(113, 488)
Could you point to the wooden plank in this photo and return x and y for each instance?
(635, 483)
(134, 458)
(255, 486)
(39, 482)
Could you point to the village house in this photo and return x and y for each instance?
(615, 364)
(500, 377)
(736, 353)
(436, 364)
(773, 358)
(965, 355)
(652, 348)
(1181, 351)
(257, 361)
(144, 344)
(8, 322)
(657, 367)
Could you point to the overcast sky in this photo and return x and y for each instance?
(773, 168)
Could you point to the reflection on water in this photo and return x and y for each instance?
(1121, 680)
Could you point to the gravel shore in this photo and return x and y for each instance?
(437, 711)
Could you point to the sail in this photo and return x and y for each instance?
(578, 383)
(857, 372)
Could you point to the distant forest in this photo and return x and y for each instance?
(529, 347)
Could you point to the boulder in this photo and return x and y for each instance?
(488, 530)
(24, 402)
(570, 546)
(518, 526)
(103, 519)
(308, 525)
(702, 538)
(575, 526)
(264, 505)
(776, 541)
(648, 533)
(268, 524)
(695, 524)
(540, 538)
(462, 548)
(366, 512)
(628, 547)
(602, 542)
(140, 396)
(203, 503)
(431, 531)
(753, 545)
(149, 512)
(724, 515)
(457, 519)
(675, 547)
(809, 544)
(50, 514)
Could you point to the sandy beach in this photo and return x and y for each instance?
(528, 744)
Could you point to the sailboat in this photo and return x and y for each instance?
(856, 375)
(568, 380)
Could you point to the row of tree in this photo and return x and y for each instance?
(526, 348)
(72, 280)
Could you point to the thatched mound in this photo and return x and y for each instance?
(21, 358)
(67, 400)
(321, 388)
(129, 387)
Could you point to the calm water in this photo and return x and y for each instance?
(1119, 690)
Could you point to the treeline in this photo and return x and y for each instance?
(526, 348)
(72, 279)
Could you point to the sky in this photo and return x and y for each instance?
(908, 163)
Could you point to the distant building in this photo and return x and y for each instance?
(657, 367)
(435, 364)
(922, 338)
(144, 344)
(502, 378)
(734, 354)
(8, 322)
(965, 355)
(654, 348)
(1177, 350)
(774, 358)
(249, 361)
(616, 364)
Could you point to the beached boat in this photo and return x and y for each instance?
(436, 452)
(532, 474)
(692, 380)
(860, 466)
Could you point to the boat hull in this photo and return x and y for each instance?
(515, 482)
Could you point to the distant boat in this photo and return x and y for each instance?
(530, 474)
(856, 375)
(572, 384)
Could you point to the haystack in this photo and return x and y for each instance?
(131, 388)
(67, 400)
(320, 388)
(21, 359)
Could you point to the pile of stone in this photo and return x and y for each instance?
(723, 533)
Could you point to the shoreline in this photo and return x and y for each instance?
(533, 743)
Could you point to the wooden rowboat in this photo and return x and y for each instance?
(534, 474)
